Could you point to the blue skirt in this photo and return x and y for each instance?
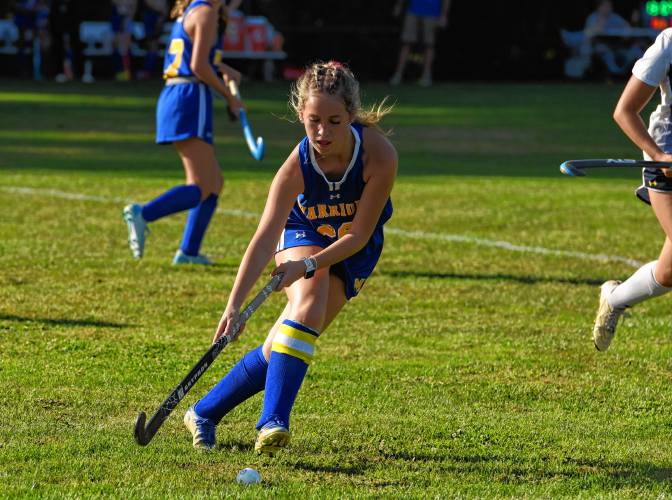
(354, 270)
(184, 111)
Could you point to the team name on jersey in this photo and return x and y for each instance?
(324, 211)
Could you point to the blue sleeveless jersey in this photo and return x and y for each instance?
(329, 205)
(177, 61)
(323, 213)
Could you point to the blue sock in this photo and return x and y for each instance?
(292, 351)
(197, 223)
(244, 380)
(175, 200)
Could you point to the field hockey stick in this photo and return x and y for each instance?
(143, 435)
(575, 168)
(256, 147)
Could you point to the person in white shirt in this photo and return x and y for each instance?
(650, 72)
(617, 60)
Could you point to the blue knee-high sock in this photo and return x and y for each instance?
(197, 223)
(244, 380)
(292, 351)
(174, 200)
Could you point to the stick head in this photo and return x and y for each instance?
(261, 149)
(567, 169)
(140, 435)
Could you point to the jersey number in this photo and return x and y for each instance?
(177, 49)
(329, 231)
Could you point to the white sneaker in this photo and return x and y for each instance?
(272, 437)
(395, 80)
(183, 258)
(137, 229)
(607, 317)
(202, 430)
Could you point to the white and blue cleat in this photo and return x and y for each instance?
(183, 258)
(273, 436)
(202, 430)
(137, 229)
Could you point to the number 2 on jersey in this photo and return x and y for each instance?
(176, 48)
(329, 231)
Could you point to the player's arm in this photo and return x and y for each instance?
(635, 96)
(202, 27)
(380, 170)
(286, 186)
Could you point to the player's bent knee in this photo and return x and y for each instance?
(266, 349)
(310, 310)
(664, 277)
(295, 339)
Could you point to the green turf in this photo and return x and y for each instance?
(464, 369)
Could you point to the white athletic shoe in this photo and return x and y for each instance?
(607, 317)
(202, 430)
(272, 437)
(137, 229)
(183, 258)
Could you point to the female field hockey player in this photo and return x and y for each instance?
(184, 118)
(654, 278)
(323, 220)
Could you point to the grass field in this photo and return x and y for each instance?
(464, 369)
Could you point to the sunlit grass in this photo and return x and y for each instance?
(462, 370)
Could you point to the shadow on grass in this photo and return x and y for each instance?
(622, 473)
(196, 268)
(527, 280)
(497, 130)
(349, 469)
(63, 322)
(235, 445)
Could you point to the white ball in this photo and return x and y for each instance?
(248, 476)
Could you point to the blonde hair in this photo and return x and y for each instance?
(336, 79)
(178, 8)
(181, 5)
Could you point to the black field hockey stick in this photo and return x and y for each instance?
(144, 434)
(575, 168)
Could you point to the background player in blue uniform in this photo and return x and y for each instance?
(184, 118)
(123, 12)
(324, 221)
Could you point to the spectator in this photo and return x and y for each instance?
(154, 15)
(30, 18)
(123, 12)
(421, 16)
(67, 49)
(617, 55)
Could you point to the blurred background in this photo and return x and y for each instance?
(524, 40)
